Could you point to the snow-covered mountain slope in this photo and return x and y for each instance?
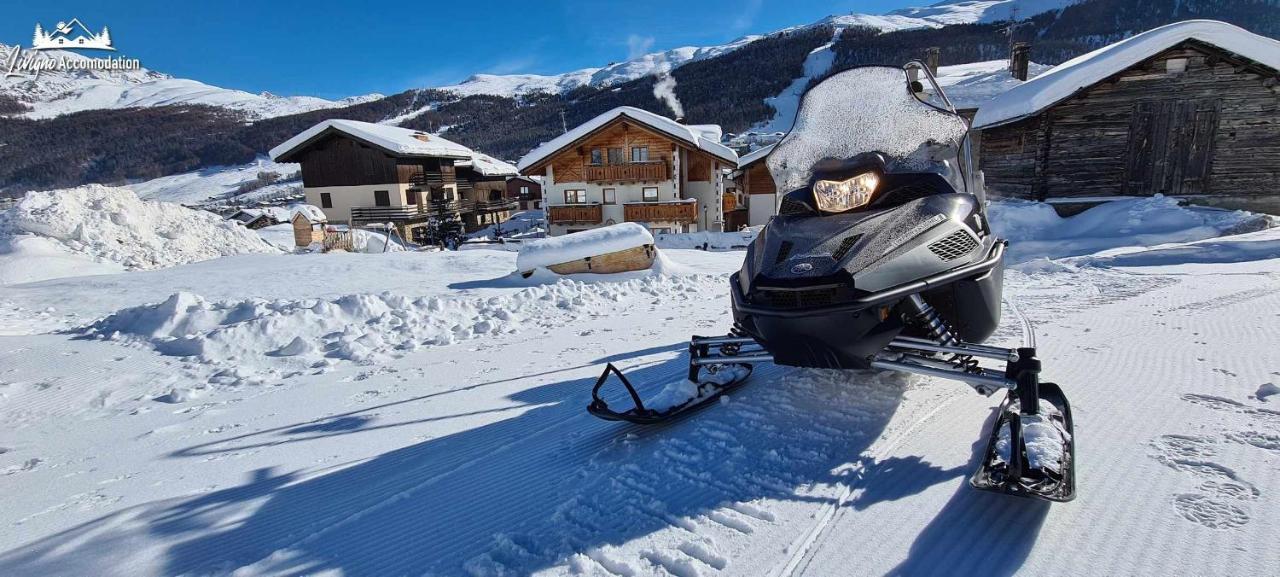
(62, 92)
(935, 16)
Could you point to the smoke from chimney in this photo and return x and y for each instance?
(665, 90)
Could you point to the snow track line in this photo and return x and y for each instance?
(801, 547)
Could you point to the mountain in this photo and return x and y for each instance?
(55, 93)
(750, 84)
(935, 16)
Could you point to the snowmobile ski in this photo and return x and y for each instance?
(1028, 471)
(707, 392)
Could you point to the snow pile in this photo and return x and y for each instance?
(570, 247)
(366, 328)
(113, 225)
(1036, 231)
(683, 391)
(29, 258)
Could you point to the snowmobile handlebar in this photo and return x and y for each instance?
(876, 298)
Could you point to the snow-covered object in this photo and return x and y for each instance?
(1066, 79)
(972, 85)
(1041, 435)
(113, 225)
(391, 138)
(682, 391)
(1036, 231)
(545, 252)
(833, 123)
(694, 136)
(1266, 391)
(729, 240)
(488, 165)
(57, 92)
(756, 155)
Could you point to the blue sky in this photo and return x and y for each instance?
(334, 49)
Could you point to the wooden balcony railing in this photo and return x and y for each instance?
(575, 214)
(496, 205)
(409, 212)
(631, 172)
(683, 212)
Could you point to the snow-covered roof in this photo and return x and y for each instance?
(755, 155)
(691, 135)
(1068, 78)
(488, 165)
(311, 211)
(393, 139)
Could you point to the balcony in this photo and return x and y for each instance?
(575, 214)
(652, 171)
(683, 212)
(408, 212)
(496, 205)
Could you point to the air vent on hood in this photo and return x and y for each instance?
(846, 245)
(954, 245)
(784, 251)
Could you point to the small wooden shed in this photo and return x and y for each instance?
(308, 227)
(1190, 110)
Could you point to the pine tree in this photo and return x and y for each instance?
(105, 37)
(38, 37)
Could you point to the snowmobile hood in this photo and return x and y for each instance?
(795, 251)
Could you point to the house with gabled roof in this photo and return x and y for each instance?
(1191, 110)
(361, 173)
(631, 165)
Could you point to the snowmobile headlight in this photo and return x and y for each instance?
(842, 195)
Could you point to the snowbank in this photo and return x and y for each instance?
(1035, 230)
(314, 333)
(113, 225)
(29, 258)
(545, 252)
(95, 230)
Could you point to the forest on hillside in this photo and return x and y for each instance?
(115, 146)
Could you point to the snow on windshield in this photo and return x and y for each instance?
(861, 110)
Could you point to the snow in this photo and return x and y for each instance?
(488, 165)
(785, 104)
(1064, 80)
(391, 138)
(54, 93)
(423, 413)
(1043, 438)
(554, 250)
(28, 258)
(1036, 231)
(694, 135)
(216, 183)
(113, 226)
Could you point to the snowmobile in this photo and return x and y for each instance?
(881, 257)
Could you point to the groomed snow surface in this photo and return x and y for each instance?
(422, 413)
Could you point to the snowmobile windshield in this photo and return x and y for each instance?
(862, 119)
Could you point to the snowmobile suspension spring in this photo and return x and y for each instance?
(932, 321)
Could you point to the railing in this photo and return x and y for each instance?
(575, 214)
(630, 172)
(409, 212)
(684, 212)
(496, 205)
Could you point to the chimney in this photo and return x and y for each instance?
(932, 56)
(680, 119)
(1019, 59)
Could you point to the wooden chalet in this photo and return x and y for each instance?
(1190, 110)
(756, 187)
(527, 190)
(629, 165)
(482, 184)
(360, 173)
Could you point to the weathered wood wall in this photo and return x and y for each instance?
(1213, 129)
(757, 180)
(336, 160)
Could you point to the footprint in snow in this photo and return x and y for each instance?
(1210, 512)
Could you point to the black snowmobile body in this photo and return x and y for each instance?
(881, 257)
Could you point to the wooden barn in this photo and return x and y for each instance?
(756, 186)
(1190, 110)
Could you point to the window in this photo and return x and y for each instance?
(639, 154)
(411, 196)
(610, 196)
(615, 156)
(650, 194)
(524, 192)
(595, 156)
(575, 197)
(381, 198)
(326, 200)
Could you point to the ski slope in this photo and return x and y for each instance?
(473, 455)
